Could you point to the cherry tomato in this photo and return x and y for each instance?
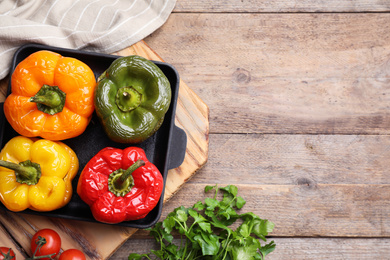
(52, 245)
(72, 254)
(7, 253)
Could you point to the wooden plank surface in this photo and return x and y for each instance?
(99, 241)
(306, 209)
(299, 118)
(304, 248)
(285, 73)
(279, 6)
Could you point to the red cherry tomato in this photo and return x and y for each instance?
(72, 254)
(52, 245)
(7, 253)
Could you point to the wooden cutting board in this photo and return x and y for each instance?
(99, 241)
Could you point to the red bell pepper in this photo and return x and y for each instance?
(120, 185)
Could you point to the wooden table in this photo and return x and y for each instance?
(299, 106)
(299, 99)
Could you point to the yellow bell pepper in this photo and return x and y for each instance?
(36, 174)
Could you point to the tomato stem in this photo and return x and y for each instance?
(40, 241)
(42, 256)
(7, 256)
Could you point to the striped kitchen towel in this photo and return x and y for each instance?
(103, 26)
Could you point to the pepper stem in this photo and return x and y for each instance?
(128, 98)
(26, 172)
(49, 99)
(121, 181)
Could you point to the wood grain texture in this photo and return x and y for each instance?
(299, 120)
(285, 73)
(309, 185)
(297, 159)
(270, 6)
(306, 209)
(297, 248)
(99, 241)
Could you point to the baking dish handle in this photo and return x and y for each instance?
(178, 147)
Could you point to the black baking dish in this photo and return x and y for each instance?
(166, 148)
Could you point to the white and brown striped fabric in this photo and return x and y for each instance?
(103, 26)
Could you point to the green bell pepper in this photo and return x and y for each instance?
(131, 99)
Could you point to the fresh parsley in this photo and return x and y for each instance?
(205, 231)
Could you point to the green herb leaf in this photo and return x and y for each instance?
(199, 206)
(240, 202)
(205, 230)
(208, 243)
(206, 227)
(168, 224)
(231, 189)
(211, 203)
(268, 248)
(244, 249)
(181, 215)
(209, 188)
(137, 256)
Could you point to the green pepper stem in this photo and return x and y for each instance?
(16, 167)
(128, 98)
(120, 182)
(49, 99)
(26, 172)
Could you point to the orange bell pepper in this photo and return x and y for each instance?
(51, 96)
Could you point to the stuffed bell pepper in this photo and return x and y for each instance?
(120, 185)
(51, 96)
(131, 99)
(36, 174)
